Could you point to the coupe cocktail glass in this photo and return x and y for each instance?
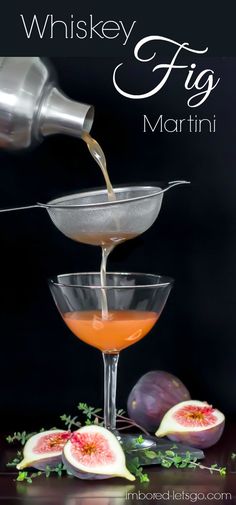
(135, 302)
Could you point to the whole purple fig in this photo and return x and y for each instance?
(152, 396)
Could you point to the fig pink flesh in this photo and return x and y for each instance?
(192, 415)
(91, 449)
(51, 443)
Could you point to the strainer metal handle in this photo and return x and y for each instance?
(168, 186)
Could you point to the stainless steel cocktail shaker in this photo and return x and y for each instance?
(32, 106)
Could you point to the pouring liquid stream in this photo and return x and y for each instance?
(99, 156)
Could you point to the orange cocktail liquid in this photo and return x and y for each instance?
(121, 329)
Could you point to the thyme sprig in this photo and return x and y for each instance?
(70, 421)
(27, 477)
(133, 462)
(59, 470)
(169, 458)
(21, 437)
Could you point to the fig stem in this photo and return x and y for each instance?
(98, 417)
(132, 423)
(123, 419)
(124, 427)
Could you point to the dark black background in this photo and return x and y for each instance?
(44, 370)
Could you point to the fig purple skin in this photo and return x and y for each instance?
(200, 439)
(152, 396)
(83, 475)
(50, 462)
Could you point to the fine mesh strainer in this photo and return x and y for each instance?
(90, 218)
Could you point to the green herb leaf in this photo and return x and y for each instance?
(150, 454)
(136, 469)
(14, 462)
(70, 421)
(139, 440)
(120, 412)
(170, 453)
(89, 412)
(166, 463)
(47, 471)
(223, 471)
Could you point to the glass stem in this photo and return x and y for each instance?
(110, 378)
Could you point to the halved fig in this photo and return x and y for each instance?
(93, 452)
(44, 449)
(193, 422)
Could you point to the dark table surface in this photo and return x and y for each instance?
(166, 485)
